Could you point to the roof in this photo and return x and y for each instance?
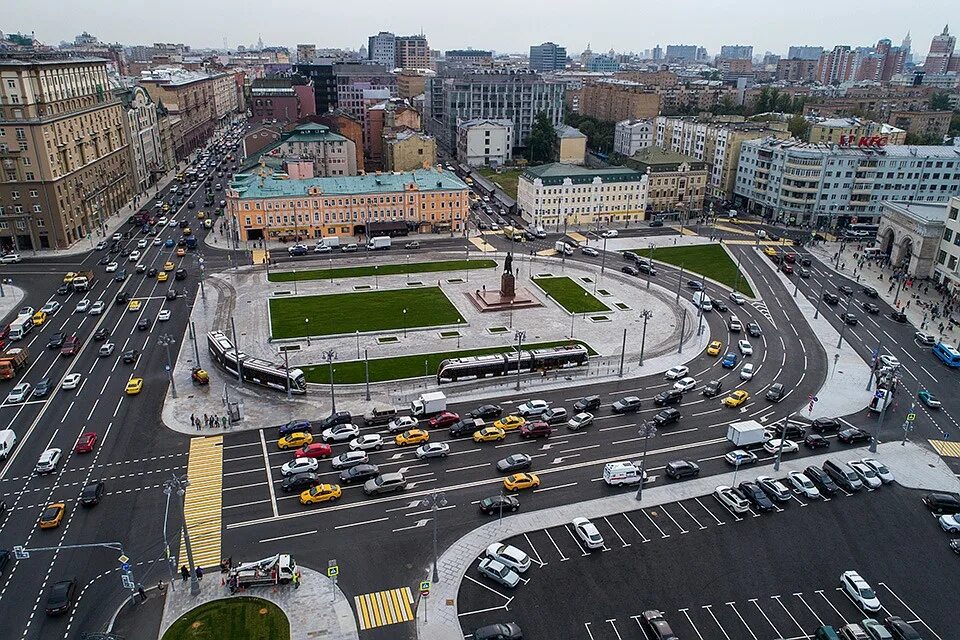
(658, 159)
(251, 186)
(556, 173)
(889, 151)
(481, 121)
(924, 212)
(566, 131)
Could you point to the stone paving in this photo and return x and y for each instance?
(10, 301)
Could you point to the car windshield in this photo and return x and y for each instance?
(867, 593)
(49, 513)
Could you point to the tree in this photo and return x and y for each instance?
(955, 124)
(924, 139)
(543, 137)
(727, 106)
(799, 127)
(940, 101)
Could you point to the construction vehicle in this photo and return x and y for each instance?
(278, 569)
(12, 361)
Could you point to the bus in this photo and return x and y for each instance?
(255, 370)
(947, 354)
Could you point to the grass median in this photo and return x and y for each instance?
(403, 367)
(364, 311)
(391, 269)
(231, 619)
(708, 260)
(570, 295)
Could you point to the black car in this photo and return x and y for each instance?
(122, 298)
(63, 289)
(942, 502)
(899, 316)
(871, 292)
(499, 631)
(630, 271)
(300, 482)
(92, 493)
(696, 285)
(332, 420)
(775, 393)
(463, 428)
(680, 469)
(294, 426)
(853, 435)
(191, 204)
(514, 462)
(493, 504)
(656, 625)
(359, 473)
(120, 275)
(849, 318)
(105, 260)
(586, 404)
(42, 388)
(756, 496)
(4, 559)
(819, 477)
(60, 596)
(815, 441)
(143, 324)
(667, 417)
(805, 261)
(791, 431)
(831, 298)
(129, 356)
(670, 396)
(825, 425)
(720, 305)
(101, 334)
(871, 308)
(151, 273)
(181, 274)
(56, 340)
(487, 411)
(171, 294)
(712, 388)
(900, 629)
(845, 289)
(753, 328)
(126, 252)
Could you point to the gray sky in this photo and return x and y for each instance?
(502, 25)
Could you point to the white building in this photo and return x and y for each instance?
(632, 135)
(143, 133)
(947, 266)
(482, 142)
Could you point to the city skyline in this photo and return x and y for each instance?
(213, 23)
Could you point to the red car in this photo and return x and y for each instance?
(70, 346)
(536, 429)
(444, 419)
(85, 443)
(790, 258)
(315, 450)
(787, 269)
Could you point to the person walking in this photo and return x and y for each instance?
(184, 573)
(225, 422)
(199, 573)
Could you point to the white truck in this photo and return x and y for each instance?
(702, 300)
(278, 569)
(8, 440)
(329, 241)
(562, 248)
(881, 400)
(428, 404)
(379, 242)
(21, 327)
(746, 434)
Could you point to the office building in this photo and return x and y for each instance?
(321, 77)
(681, 53)
(675, 182)
(942, 57)
(64, 158)
(841, 130)
(142, 131)
(382, 49)
(736, 52)
(485, 142)
(355, 82)
(281, 100)
(188, 95)
(547, 57)
(424, 201)
(804, 52)
(630, 136)
(413, 52)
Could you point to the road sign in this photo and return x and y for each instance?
(20, 553)
(333, 571)
(123, 559)
(911, 417)
(125, 567)
(879, 394)
(127, 581)
(424, 588)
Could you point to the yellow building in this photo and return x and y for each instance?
(840, 130)
(572, 145)
(675, 182)
(407, 150)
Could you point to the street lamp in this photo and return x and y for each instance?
(647, 431)
(650, 270)
(435, 501)
(646, 315)
(404, 322)
(178, 485)
(329, 356)
(166, 340)
(521, 335)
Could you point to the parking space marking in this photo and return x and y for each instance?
(613, 623)
(691, 516)
(665, 535)
(734, 607)
(687, 616)
(825, 599)
(770, 622)
(709, 609)
(563, 558)
(719, 521)
(787, 611)
(583, 551)
(819, 619)
(912, 612)
(489, 588)
(682, 530)
(642, 537)
(622, 541)
(586, 625)
(535, 552)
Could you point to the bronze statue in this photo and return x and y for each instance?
(508, 263)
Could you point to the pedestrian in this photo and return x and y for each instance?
(199, 573)
(184, 573)
(198, 424)
(206, 420)
(225, 422)
(142, 593)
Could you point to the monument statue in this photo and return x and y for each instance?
(508, 263)
(507, 281)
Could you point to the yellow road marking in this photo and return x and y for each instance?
(480, 244)
(203, 501)
(579, 237)
(382, 608)
(946, 448)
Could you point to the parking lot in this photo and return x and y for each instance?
(718, 575)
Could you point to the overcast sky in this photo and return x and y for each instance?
(502, 25)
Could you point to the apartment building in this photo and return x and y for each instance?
(64, 157)
(330, 154)
(614, 100)
(934, 124)
(142, 131)
(413, 52)
(946, 268)
(188, 95)
(485, 143)
(408, 150)
(675, 182)
(630, 136)
(841, 130)
(225, 96)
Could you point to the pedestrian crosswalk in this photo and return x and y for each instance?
(946, 448)
(382, 608)
(203, 500)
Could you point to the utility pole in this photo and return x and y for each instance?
(236, 350)
(647, 430)
(366, 372)
(650, 270)
(623, 351)
(435, 501)
(646, 315)
(329, 356)
(166, 340)
(843, 325)
(679, 283)
(286, 370)
(520, 337)
(178, 485)
(683, 325)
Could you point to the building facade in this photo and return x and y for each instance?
(840, 130)
(413, 52)
(354, 83)
(736, 52)
(408, 150)
(941, 57)
(281, 100)
(485, 143)
(804, 52)
(321, 77)
(547, 57)
(382, 49)
(630, 136)
(330, 153)
(932, 124)
(347, 126)
(469, 57)
(143, 135)
(796, 70)
(822, 186)
(946, 269)
(562, 194)
(614, 100)
(189, 95)
(426, 200)
(412, 82)
(64, 157)
(571, 145)
(675, 182)
(225, 104)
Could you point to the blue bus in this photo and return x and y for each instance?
(947, 354)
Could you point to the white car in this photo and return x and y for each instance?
(866, 473)
(885, 475)
(610, 233)
(740, 457)
(19, 393)
(300, 465)
(889, 361)
(48, 461)
(803, 484)
(71, 381)
(746, 371)
(588, 533)
(157, 241)
(580, 421)
(106, 349)
(950, 522)
(340, 433)
(117, 237)
(51, 307)
(509, 555)
(433, 450)
(26, 311)
(402, 423)
(859, 591)
(172, 223)
(731, 498)
(685, 384)
(83, 306)
(350, 459)
(164, 315)
(675, 373)
(745, 347)
(499, 572)
(367, 442)
(113, 266)
(532, 408)
(134, 256)
(142, 244)
(97, 308)
(773, 445)
(737, 298)
(162, 220)
(9, 258)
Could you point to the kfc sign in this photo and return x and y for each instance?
(863, 141)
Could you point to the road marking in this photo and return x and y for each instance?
(687, 616)
(563, 558)
(912, 612)
(417, 525)
(559, 486)
(357, 524)
(266, 464)
(665, 535)
(946, 448)
(203, 502)
(292, 535)
(622, 541)
(709, 609)
(382, 608)
(775, 630)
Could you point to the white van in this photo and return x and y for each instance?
(20, 327)
(8, 440)
(735, 325)
(617, 473)
(702, 300)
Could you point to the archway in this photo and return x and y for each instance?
(886, 241)
(905, 253)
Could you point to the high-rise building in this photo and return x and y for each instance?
(804, 52)
(64, 165)
(657, 53)
(358, 84)
(382, 49)
(413, 52)
(548, 57)
(189, 95)
(836, 65)
(681, 53)
(320, 75)
(736, 52)
(941, 58)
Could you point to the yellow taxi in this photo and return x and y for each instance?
(770, 251)
(162, 276)
(166, 207)
(321, 493)
(169, 266)
(68, 277)
(489, 434)
(187, 231)
(510, 423)
(736, 398)
(519, 481)
(134, 305)
(181, 252)
(39, 318)
(714, 348)
(52, 515)
(295, 440)
(201, 215)
(134, 386)
(411, 436)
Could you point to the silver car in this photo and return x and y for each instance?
(385, 483)
(509, 555)
(19, 393)
(340, 433)
(350, 459)
(48, 461)
(433, 450)
(499, 572)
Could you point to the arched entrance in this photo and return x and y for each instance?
(886, 241)
(905, 254)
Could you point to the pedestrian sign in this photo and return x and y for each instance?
(127, 581)
(911, 417)
(20, 553)
(333, 571)
(879, 394)
(424, 588)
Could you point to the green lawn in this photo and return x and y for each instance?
(709, 260)
(232, 619)
(507, 179)
(401, 367)
(383, 270)
(570, 295)
(361, 311)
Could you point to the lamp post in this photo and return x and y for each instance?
(650, 270)
(679, 283)
(329, 356)
(823, 287)
(404, 322)
(647, 431)
(646, 315)
(458, 334)
(166, 340)
(843, 324)
(178, 485)
(435, 501)
(521, 335)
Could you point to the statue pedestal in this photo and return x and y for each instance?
(508, 285)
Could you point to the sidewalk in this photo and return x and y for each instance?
(913, 467)
(10, 301)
